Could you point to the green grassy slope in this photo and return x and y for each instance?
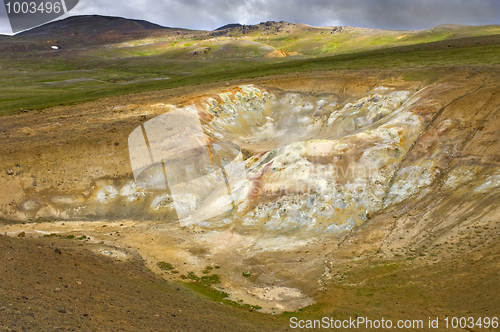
(26, 85)
(36, 77)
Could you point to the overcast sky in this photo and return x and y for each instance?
(211, 14)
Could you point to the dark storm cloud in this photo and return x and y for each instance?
(383, 14)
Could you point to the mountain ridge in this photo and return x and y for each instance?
(92, 24)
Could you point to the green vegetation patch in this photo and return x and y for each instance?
(67, 237)
(165, 266)
(204, 285)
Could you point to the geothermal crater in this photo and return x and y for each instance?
(323, 179)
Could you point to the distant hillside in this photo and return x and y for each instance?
(85, 31)
(90, 24)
